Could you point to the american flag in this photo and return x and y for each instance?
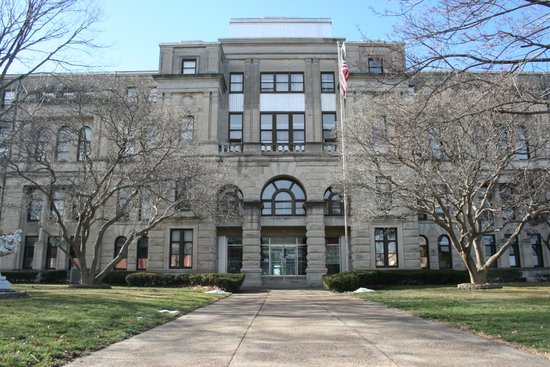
(344, 72)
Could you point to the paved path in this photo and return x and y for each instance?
(305, 328)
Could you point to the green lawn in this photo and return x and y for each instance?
(56, 323)
(518, 313)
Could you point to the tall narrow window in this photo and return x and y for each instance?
(187, 128)
(334, 205)
(536, 250)
(383, 193)
(445, 257)
(181, 248)
(385, 245)
(329, 121)
(42, 140)
(51, 252)
(58, 203)
(5, 133)
(435, 144)
(28, 251)
(424, 251)
(132, 94)
(8, 98)
(327, 83)
(145, 205)
(375, 66)
(488, 241)
(153, 95)
(522, 146)
(63, 144)
(189, 67)
(34, 210)
(236, 83)
(379, 129)
(123, 205)
(84, 143)
(234, 254)
(235, 127)
(182, 194)
(332, 254)
(513, 252)
(123, 263)
(142, 253)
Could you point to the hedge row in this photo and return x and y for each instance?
(227, 282)
(351, 280)
(35, 276)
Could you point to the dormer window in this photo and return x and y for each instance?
(375, 66)
(189, 67)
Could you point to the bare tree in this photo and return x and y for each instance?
(510, 35)
(42, 33)
(454, 153)
(120, 158)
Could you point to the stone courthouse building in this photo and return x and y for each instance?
(266, 101)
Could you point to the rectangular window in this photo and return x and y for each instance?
(385, 244)
(189, 67)
(327, 83)
(513, 252)
(536, 250)
(132, 93)
(142, 253)
(236, 83)
(375, 66)
(282, 83)
(5, 133)
(488, 241)
(379, 129)
(383, 192)
(58, 203)
(28, 251)
(145, 205)
(34, 210)
(282, 128)
(153, 95)
(181, 195)
(123, 204)
(332, 254)
(329, 122)
(234, 254)
(187, 128)
(181, 249)
(522, 147)
(8, 98)
(235, 127)
(51, 252)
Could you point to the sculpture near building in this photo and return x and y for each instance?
(8, 245)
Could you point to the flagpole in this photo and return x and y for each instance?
(342, 153)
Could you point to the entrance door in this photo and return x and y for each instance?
(283, 260)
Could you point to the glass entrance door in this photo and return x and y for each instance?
(283, 260)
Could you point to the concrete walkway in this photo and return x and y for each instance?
(305, 328)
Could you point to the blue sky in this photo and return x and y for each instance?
(133, 29)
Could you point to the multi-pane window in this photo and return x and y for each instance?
(182, 194)
(385, 247)
(123, 263)
(513, 252)
(236, 127)
(123, 204)
(329, 121)
(58, 203)
(536, 250)
(234, 254)
(283, 197)
(84, 143)
(282, 128)
(383, 193)
(236, 83)
(153, 95)
(375, 66)
(5, 133)
(327, 83)
(522, 146)
(334, 205)
(34, 210)
(63, 144)
(142, 253)
(189, 66)
(8, 98)
(187, 128)
(230, 202)
(51, 252)
(28, 251)
(379, 129)
(181, 248)
(42, 139)
(424, 252)
(488, 241)
(332, 254)
(282, 83)
(445, 257)
(435, 144)
(145, 205)
(132, 94)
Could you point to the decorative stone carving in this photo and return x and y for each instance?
(8, 245)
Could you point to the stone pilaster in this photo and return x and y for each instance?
(361, 257)
(315, 233)
(251, 245)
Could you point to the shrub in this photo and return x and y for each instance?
(21, 276)
(351, 280)
(505, 275)
(227, 282)
(117, 277)
(53, 276)
(148, 279)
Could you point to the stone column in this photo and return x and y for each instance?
(361, 257)
(315, 233)
(251, 244)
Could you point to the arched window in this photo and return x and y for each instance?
(283, 197)
(230, 202)
(424, 252)
(42, 139)
(63, 146)
(122, 264)
(445, 256)
(334, 203)
(142, 253)
(84, 143)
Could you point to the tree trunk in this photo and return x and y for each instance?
(476, 276)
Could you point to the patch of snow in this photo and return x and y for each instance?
(363, 290)
(216, 291)
(169, 311)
